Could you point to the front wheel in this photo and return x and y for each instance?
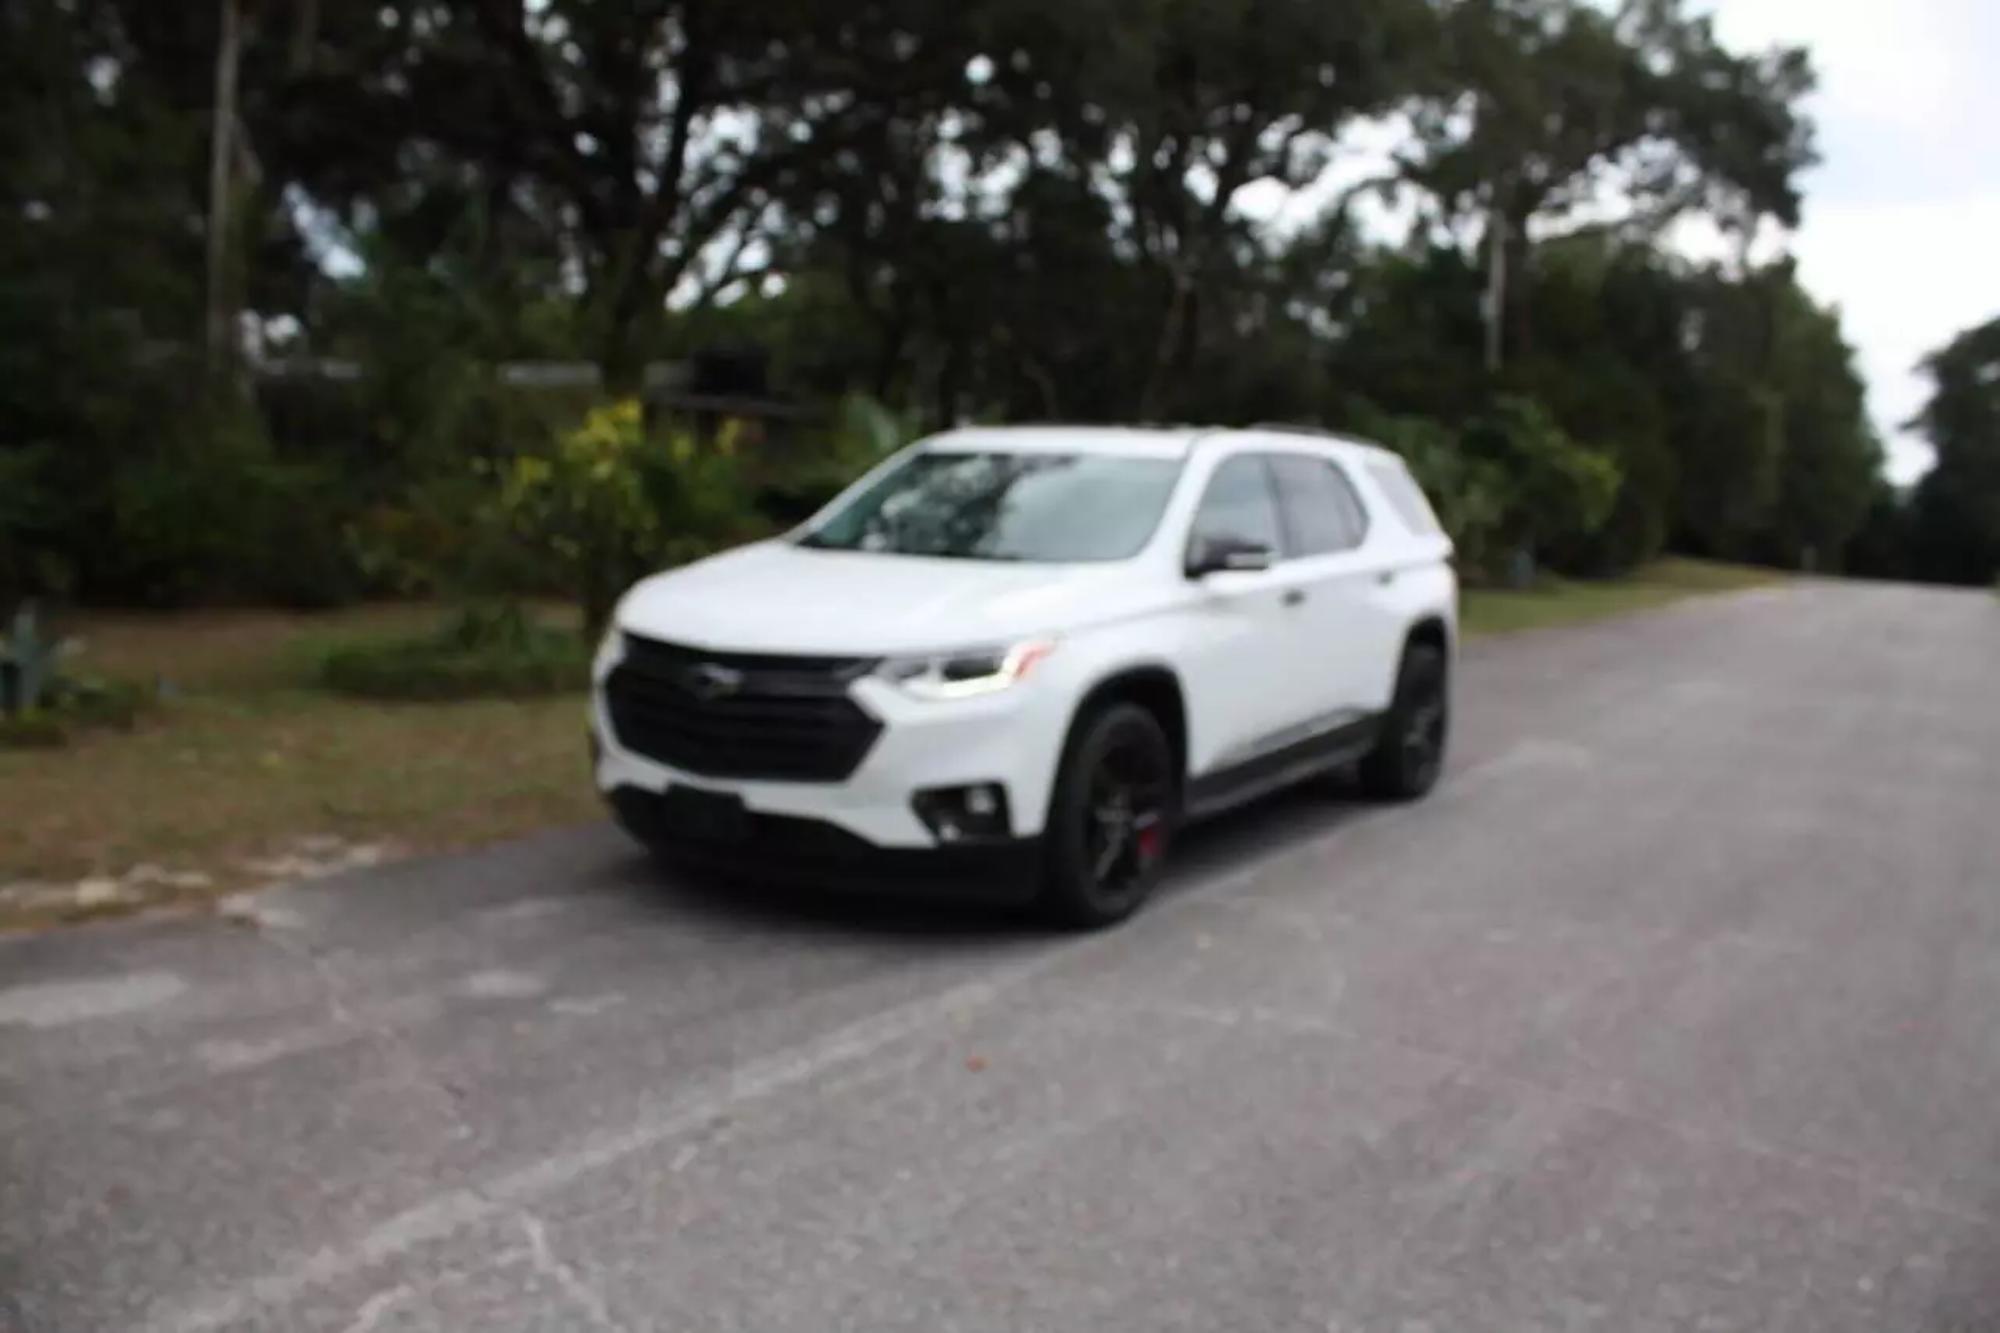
(1110, 817)
(1406, 761)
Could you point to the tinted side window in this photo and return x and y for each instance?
(1238, 507)
(1322, 512)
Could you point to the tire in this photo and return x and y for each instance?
(1118, 765)
(1408, 758)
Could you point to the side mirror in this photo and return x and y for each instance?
(1231, 556)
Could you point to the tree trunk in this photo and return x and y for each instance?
(221, 156)
(1493, 307)
(305, 35)
(621, 358)
(1517, 307)
(1164, 350)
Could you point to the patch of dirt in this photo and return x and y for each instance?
(28, 904)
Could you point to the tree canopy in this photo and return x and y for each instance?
(1955, 514)
(996, 209)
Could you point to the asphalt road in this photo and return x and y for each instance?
(1678, 1006)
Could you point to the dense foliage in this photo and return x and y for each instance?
(995, 209)
(42, 699)
(483, 650)
(1955, 514)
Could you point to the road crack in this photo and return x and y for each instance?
(582, 1293)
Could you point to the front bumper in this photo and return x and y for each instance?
(1013, 738)
(795, 850)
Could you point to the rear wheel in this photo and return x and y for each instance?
(1110, 817)
(1408, 758)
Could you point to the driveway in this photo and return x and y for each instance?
(1678, 1006)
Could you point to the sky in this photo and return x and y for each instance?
(1902, 216)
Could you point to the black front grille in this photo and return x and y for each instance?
(740, 715)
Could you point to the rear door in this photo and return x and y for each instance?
(1348, 632)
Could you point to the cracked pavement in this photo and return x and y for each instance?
(1674, 1008)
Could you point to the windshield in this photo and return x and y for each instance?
(1006, 506)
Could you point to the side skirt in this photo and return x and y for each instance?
(1226, 788)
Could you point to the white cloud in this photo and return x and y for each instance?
(1901, 215)
(1907, 276)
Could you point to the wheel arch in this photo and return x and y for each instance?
(1429, 632)
(1153, 686)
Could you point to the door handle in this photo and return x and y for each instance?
(1386, 577)
(1294, 597)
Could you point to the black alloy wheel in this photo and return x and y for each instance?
(1409, 757)
(1111, 817)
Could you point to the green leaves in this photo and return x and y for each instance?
(1956, 510)
(28, 660)
(613, 502)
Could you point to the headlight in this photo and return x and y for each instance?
(962, 675)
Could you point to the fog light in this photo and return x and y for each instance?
(964, 814)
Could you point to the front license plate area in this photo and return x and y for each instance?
(704, 816)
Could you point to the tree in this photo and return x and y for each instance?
(1556, 489)
(627, 142)
(1955, 513)
(1549, 106)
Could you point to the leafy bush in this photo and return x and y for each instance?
(40, 703)
(28, 661)
(1555, 488)
(1469, 494)
(31, 515)
(482, 651)
(98, 701)
(612, 503)
(32, 731)
(213, 515)
(864, 432)
(448, 537)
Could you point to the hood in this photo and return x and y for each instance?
(779, 598)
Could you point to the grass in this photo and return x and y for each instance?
(245, 757)
(1570, 602)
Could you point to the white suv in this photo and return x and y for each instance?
(1011, 662)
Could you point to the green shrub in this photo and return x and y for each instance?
(864, 433)
(448, 537)
(40, 702)
(31, 520)
(32, 731)
(612, 503)
(1469, 494)
(29, 659)
(98, 701)
(1556, 490)
(214, 515)
(484, 651)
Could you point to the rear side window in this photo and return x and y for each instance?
(1322, 512)
(1405, 497)
(1238, 508)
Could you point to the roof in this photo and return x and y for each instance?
(1138, 441)
(1358, 449)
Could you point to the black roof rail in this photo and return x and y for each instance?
(1296, 428)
